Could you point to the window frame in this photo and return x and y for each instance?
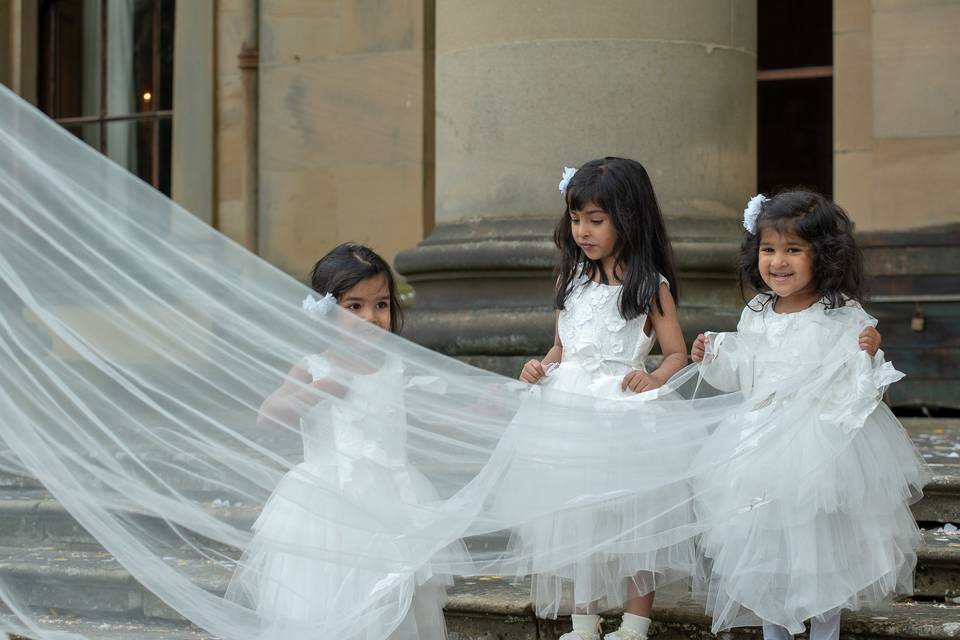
(49, 74)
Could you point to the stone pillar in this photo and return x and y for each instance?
(193, 109)
(5, 47)
(341, 155)
(19, 18)
(237, 134)
(896, 121)
(524, 89)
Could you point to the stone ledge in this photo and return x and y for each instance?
(941, 496)
(110, 629)
(496, 604)
(484, 608)
(92, 584)
(22, 522)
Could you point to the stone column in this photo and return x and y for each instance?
(193, 109)
(19, 20)
(6, 29)
(524, 89)
(341, 124)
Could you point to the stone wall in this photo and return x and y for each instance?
(525, 89)
(896, 115)
(341, 127)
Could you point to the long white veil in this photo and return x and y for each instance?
(137, 345)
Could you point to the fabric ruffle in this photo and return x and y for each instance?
(820, 474)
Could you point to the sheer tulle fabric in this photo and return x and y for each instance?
(829, 526)
(137, 346)
(595, 570)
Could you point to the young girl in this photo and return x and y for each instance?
(354, 480)
(822, 469)
(616, 296)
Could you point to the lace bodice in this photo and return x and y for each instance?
(596, 336)
(770, 347)
(364, 425)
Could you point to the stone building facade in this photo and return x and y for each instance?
(436, 130)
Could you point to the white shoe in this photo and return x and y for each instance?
(633, 627)
(585, 627)
(625, 634)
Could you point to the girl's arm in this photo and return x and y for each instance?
(298, 391)
(534, 369)
(666, 325)
(670, 337)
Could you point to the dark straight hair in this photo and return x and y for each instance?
(622, 188)
(837, 261)
(348, 264)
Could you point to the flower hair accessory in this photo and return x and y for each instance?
(752, 211)
(319, 307)
(568, 173)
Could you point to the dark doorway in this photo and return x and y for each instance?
(795, 95)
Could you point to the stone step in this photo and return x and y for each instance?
(941, 496)
(493, 608)
(938, 565)
(938, 439)
(93, 583)
(117, 629)
(29, 515)
(486, 608)
(31, 518)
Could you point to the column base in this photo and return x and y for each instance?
(484, 288)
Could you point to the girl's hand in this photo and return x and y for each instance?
(699, 348)
(532, 372)
(869, 340)
(639, 381)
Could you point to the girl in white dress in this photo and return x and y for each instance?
(826, 471)
(305, 564)
(616, 297)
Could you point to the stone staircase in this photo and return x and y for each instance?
(78, 587)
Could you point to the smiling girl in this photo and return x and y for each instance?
(825, 523)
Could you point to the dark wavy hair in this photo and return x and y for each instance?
(348, 264)
(837, 261)
(622, 188)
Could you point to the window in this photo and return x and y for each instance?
(795, 95)
(106, 74)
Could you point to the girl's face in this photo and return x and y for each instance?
(369, 300)
(786, 265)
(594, 233)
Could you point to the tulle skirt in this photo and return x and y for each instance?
(314, 556)
(823, 520)
(626, 529)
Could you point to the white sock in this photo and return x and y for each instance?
(775, 632)
(637, 624)
(827, 628)
(585, 623)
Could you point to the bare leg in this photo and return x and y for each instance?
(638, 605)
(636, 613)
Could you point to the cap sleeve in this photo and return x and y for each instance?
(317, 366)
